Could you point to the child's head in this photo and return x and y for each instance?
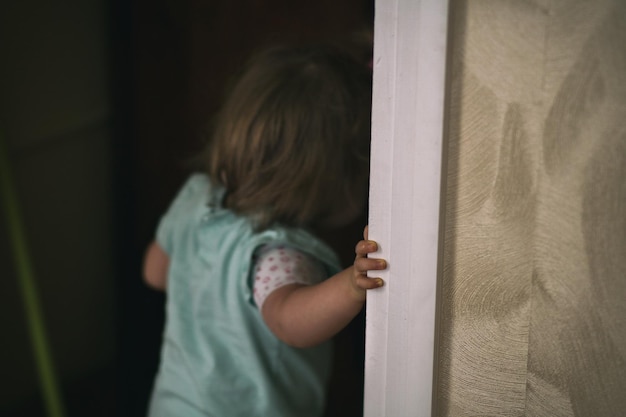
(291, 144)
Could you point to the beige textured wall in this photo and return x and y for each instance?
(534, 287)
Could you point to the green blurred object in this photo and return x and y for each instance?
(23, 266)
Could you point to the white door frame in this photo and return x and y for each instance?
(410, 45)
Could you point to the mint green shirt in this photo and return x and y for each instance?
(218, 356)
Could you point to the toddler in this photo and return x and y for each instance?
(253, 296)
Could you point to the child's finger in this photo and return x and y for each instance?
(365, 232)
(369, 283)
(365, 247)
(362, 265)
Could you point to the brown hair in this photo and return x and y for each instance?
(291, 143)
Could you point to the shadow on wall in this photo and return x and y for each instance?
(56, 119)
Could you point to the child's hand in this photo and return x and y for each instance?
(362, 264)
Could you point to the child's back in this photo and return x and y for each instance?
(218, 357)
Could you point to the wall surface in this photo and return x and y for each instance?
(55, 118)
(533, 318)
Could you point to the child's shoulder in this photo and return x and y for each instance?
(199, 186)
(197, 182)
(196, 193)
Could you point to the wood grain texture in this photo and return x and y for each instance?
(533, 319)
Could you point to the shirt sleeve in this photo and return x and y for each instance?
(277, 266)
